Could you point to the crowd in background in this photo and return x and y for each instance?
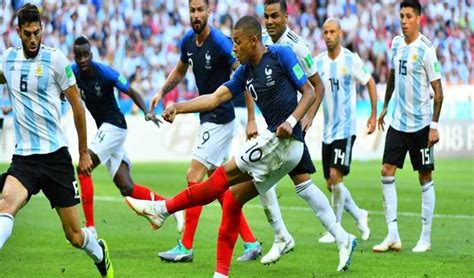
(140, 38)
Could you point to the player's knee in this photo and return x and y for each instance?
(388, 170)
(424, 177)
(329, 185)
(11, 204)
(193, 176)
(75, 238)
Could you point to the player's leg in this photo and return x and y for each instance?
(87, 195)
(422, 160)
(393, 158)
(14, 197)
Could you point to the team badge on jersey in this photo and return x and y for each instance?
(414, 57)
(309, 61)
(69, 72)
(344, 70)
(268, 73)
(298, 71)
(208, 60)
(39, 70)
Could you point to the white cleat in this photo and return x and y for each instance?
(387, 244)
(421, 247)
(327, 238)
(92, 231)
(279, 248)
(363, 225)
(153, 211)
(179, 217)
(346, 250)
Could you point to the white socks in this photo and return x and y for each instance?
(350, 204)
(272, 211)
(320, 205)
(427, 210)
(6, 227)
(338, 199)
(92, 247)
(390, 205)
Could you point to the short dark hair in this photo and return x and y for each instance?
(207, 2)
(28, 13)
(415, 4)
(250, 25)
(81, 40)
(281, 2)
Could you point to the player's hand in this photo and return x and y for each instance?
(252, 130)
(85, 163)
(284, 131)
(381, 122)
(170, 113)
(433, 137)
(306, 123)
(371, 125)
(154, 102)
(151, 116)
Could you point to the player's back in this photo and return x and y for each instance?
(35, 85)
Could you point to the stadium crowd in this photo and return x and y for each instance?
(140, 38)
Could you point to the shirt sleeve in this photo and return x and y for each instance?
(236, 84)
(360, 71)
(227, 52)
(305, 59)
(432, 66)
(62, 70)
(291, 66)
(182, 47)
(119, 81)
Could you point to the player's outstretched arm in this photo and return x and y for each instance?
(138, 100)
(318, 87)
(252, 130)
(85, 161)
(388, 96)
(173, 79)
(371, 122)
(199, 104)
(285, 130)
(433, 136)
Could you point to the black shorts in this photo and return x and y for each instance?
(338, 155)
(398, 143)
(305, 166)
(52, 173)
(1, 122)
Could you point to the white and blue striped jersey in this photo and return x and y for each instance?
(415, 66)
(299, 47)
(339, 102)
(35, 86)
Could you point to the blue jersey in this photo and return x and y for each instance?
(239, 101)
(212, 64)
(98, 93)
(273, 84)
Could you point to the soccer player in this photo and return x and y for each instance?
(209, 53)
(97, 82)
(414, 124)
(341, 69)
(36, 75)
(272, 76)
(277, 32)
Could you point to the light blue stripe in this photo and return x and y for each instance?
(319, 65)
(347, 82)
(402, 92)
(48, 109)
(417, 107)
(348, 151)
(9, 63)
(333, 72)
(31, 126)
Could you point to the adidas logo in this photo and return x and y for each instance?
(12, 68)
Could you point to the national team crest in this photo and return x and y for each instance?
(207, 56)
(39, 70)
(268, 74)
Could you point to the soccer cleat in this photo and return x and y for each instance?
(179, 217)
(387, 244)
(327, 238)
(279, 248)
(345, 253)
(105, 266)
(363, 225)
(252, 251)
(92, 231)
(179, 254)
(153, 211)
(421, 247)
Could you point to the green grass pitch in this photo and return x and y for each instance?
(37, 247)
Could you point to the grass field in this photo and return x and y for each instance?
(38, 248)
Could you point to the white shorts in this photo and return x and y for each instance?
(213, 144)
(268, 159)
(241, 117)
(107, 144)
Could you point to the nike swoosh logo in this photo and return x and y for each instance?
(249, 81)
(190, 54)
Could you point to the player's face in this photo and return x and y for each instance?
(198, 14)
(242, 46)
(332, 35)
(409, 20)
(82, 56)
(30, 35)
(275, 20)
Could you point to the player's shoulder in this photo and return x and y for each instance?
(321, 56)
(218, 36)
(187, 36)
(266, 39)
(397, 41)
(425, 41)
(293, 37)
(280, 51)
